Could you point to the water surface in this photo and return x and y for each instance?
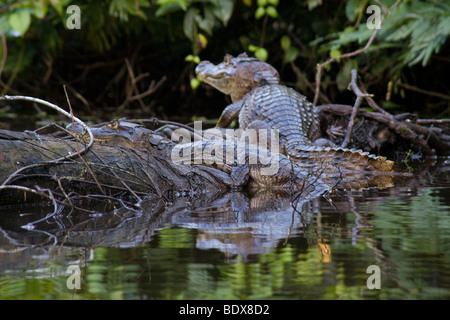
(239, 246)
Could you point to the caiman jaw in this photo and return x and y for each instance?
(237, 76)
(212, 75)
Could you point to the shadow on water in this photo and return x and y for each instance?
(238, 246)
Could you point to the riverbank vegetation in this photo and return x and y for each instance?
(136, 58)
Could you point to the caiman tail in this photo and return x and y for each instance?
(345, 168)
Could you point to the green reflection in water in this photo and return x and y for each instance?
(407, 237)
(113, 274)
(414, 235)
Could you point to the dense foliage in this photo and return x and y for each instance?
(138, 55)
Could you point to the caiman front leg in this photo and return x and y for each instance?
(229, 114)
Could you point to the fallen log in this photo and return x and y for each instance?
(56, 163)
(396, 137)
(383, 133)
(27, 159)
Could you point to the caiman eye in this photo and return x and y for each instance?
(227, 59)
(114, 124)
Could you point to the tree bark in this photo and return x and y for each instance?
(103, 169)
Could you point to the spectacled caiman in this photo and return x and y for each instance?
(211, 154)
(261, 102)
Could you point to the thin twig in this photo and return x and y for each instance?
(25, 189)
(151, 89)
(122, 181)
(432, 121)
(404, 129)
(53, 106)
(359, 98)
(427, 92)
(133, 82)
(308, 83)
(58, 180)
(373, 104)
(320, 66)
(88, 167)
(56, 210)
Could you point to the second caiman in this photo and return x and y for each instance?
(261, 102)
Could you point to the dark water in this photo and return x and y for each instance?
(240, 247)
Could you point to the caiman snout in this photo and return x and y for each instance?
(201, 68)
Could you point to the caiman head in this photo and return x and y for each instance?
(237, 76)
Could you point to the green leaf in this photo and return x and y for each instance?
(58, 6)
(252, 47)
(20, 21)
(167, 8)
(313, 3)
(285, 43)
(351, 9)
(195, 82)
(203, 41)
(274, 2)
(189, 23)
(123, 8)
(260, 12)
(40, 9)
(262, 3)
(223, 9)
(335, 53)
(259, 52)
(272, 12)
(262, 54)
(291, 54)
(192, 58)
(183, 4)
(207, 22)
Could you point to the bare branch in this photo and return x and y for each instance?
(359, 98)
(427, 92)
(60, 110)
(320, 66)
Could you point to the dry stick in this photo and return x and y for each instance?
(26, 189)
(373, 104)
(153, 184)
(350, 54)
(309, 84)
(427, 92)
(151, 89)
(404, 129)
(53, 106)
(56, 210)
(39, 192)
(346, 55)
(432, 121)
(359, 98)
(121, 180)
(133, 82)
(74, 92)
(78, 149)
(159, 121)
(58, 180)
